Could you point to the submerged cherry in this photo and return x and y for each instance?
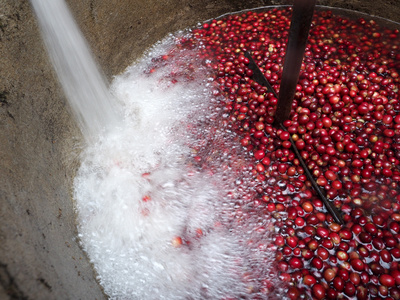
(344, 122)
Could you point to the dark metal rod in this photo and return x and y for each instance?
(328, 204)
(298, 33)
(259, 77)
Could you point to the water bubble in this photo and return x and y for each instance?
(163, 211)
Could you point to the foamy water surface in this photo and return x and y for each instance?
(171, 172)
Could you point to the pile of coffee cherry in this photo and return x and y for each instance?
(345, 123)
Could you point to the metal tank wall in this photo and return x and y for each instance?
(40, 257)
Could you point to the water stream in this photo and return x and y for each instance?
(83, 83)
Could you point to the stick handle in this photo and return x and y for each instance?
(298, 33)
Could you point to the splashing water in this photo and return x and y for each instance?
(157, 200)
(163, 198)
(84, 85)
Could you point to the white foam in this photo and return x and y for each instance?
(129, 240)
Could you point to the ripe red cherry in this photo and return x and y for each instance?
(387, 280)
(345, 122)
(309, 280)
(295, 263)
(319, 291)
(259, 154)
(349, 289)
(293, 293)
(357, 264)
(338, 284)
